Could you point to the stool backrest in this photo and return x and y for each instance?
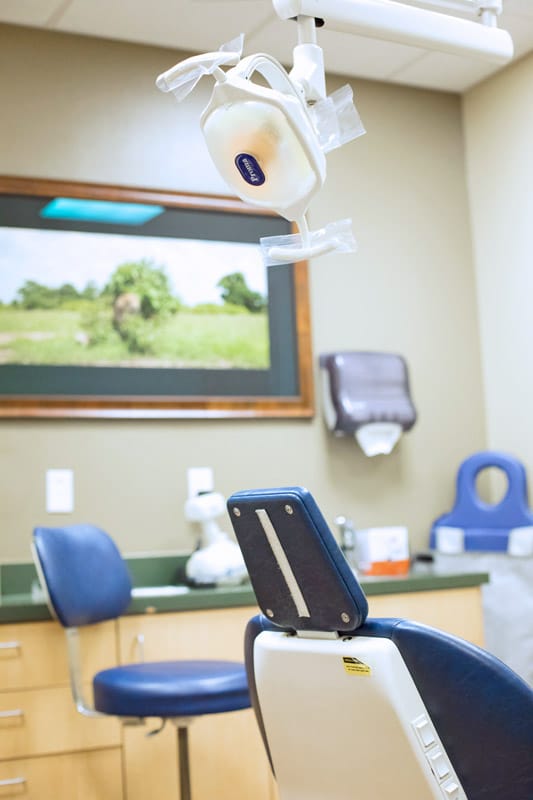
(83, 574)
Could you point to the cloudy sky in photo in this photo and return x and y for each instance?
(52, 258)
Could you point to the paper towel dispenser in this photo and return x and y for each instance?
(367, 395)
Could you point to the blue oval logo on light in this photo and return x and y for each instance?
(250, 169)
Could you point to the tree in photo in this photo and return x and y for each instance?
(141, 296)
(236, 292)
(33, 295)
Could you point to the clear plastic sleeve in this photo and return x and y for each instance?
(183, 77)
(336, 119)
(336, 237)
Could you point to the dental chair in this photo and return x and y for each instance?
(86, 582)
(352, 708)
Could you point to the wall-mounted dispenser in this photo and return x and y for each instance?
(367, 395)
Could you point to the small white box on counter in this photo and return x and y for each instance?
(383, 551)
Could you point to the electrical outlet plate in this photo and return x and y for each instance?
(199, 480)
(59, 491)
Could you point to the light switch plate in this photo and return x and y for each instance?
(199, 480)
(59, 491)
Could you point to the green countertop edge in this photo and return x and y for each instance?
(21, 608)
(145, 570)
(423, 582)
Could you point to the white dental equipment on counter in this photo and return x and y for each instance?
(269, 141)
(218, 560)
(374, 551)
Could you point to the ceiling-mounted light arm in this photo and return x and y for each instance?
(405, 24)
(474, 7)
(306, 30)
(487, 11)
(308, 73)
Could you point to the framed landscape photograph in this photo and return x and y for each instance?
(126, 302)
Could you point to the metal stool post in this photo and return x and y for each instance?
(183, 760)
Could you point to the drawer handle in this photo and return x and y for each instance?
(16, 712)
(9, 645)
(139, 642)
(12, 781)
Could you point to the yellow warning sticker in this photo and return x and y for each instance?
(355, 667)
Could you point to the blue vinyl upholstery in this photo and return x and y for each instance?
(86, 578)
(487, 527)
(256, 626)
(481, 710)
(87, 582)
(171, 689)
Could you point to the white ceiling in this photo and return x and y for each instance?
(203, 25)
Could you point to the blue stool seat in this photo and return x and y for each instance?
(171, 689)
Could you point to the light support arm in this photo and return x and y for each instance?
(404, 24)
(474, 7)
(487, 11)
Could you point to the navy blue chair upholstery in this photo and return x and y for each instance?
(482, 711)
(87, 581)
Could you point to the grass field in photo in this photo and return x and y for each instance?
(106, 299)
(184, 339)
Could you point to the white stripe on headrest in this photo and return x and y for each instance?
(283, 563)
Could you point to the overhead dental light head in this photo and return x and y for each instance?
(262, 138)
(269, 139)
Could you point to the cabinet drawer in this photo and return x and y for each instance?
(45, 721)
(217, 633)
(35, 653)
(78, 776)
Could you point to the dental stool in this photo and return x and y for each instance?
(352, 708)
(87, 582)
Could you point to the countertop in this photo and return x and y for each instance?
(21, 606)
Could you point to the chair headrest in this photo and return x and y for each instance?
(299, 574)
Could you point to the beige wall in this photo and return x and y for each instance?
(498, 120)
(85, 109)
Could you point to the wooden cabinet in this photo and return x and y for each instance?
(227, 755)
(456, 611)
(91, 775)
(35, 653)
(50, 752)
(228, 761)
(47, 750)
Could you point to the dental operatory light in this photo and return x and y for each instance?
(269, 139)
